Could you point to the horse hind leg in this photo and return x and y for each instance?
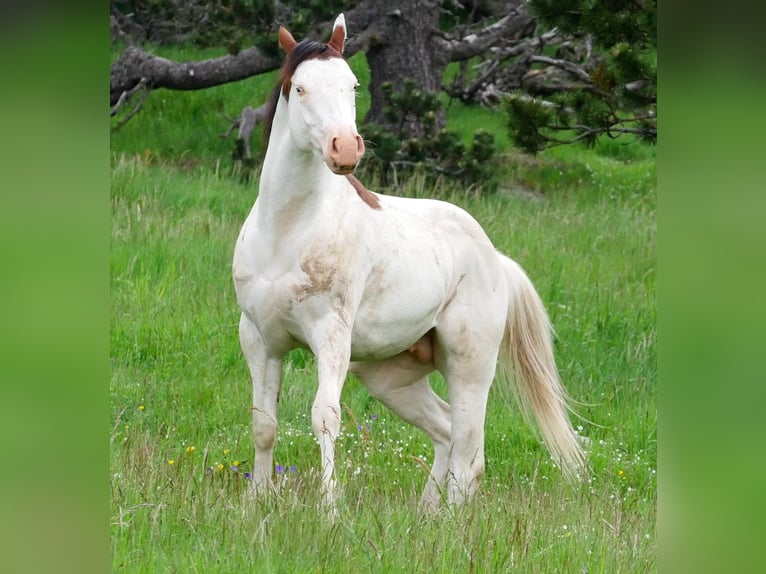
(468, 397)
(467, 358)
(401, 383)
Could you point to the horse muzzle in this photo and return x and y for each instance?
(343, 153)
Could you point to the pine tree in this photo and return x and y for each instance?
(620, 94)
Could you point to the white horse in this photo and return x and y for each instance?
(390, 288)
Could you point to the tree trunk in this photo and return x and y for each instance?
(401, 46)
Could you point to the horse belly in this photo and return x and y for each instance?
(389, 321)
(383, 341)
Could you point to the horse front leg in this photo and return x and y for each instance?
(266, 374)
(331, 344)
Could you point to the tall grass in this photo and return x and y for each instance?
(581, 222)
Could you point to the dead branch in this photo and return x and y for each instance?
(140, 88)
(126, 96)
(505, 68)
(514, 26)
(565, 65)
(246, 122)
(134, 65)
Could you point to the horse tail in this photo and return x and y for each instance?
(527, 362)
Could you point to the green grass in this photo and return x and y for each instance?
(581, 222)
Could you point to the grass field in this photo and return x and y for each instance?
(581, 222)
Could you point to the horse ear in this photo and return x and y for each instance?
(286, 40)
(338, 34)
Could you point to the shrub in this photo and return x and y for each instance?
(413, 143)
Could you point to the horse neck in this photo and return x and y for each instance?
(292, 181)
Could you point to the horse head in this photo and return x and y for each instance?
(320, 89)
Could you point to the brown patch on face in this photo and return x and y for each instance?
(365, 194)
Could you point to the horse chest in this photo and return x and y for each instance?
(285, 292)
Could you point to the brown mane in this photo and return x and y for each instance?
(365, 194)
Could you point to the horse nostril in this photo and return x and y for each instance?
(344, 152)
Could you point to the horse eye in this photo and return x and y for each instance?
(356, 87)
(298, 90)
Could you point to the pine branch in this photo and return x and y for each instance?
(590, 132)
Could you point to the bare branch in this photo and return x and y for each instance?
(233, 123)
(127, 96)
(514, 26)
(246, 122)
(565, 65)
(134, 64)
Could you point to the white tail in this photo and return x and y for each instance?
(526, 360)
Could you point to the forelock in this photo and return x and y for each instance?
(305, 50)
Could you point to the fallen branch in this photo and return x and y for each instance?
(135, 65)
(126, 97)
(246, 122)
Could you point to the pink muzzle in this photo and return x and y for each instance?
(344, 152)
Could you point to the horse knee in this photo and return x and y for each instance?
(325, 420)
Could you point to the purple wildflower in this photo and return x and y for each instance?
(280, 469)
(374, 417)
(292, 469)
(234, 468)
(248, 476)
